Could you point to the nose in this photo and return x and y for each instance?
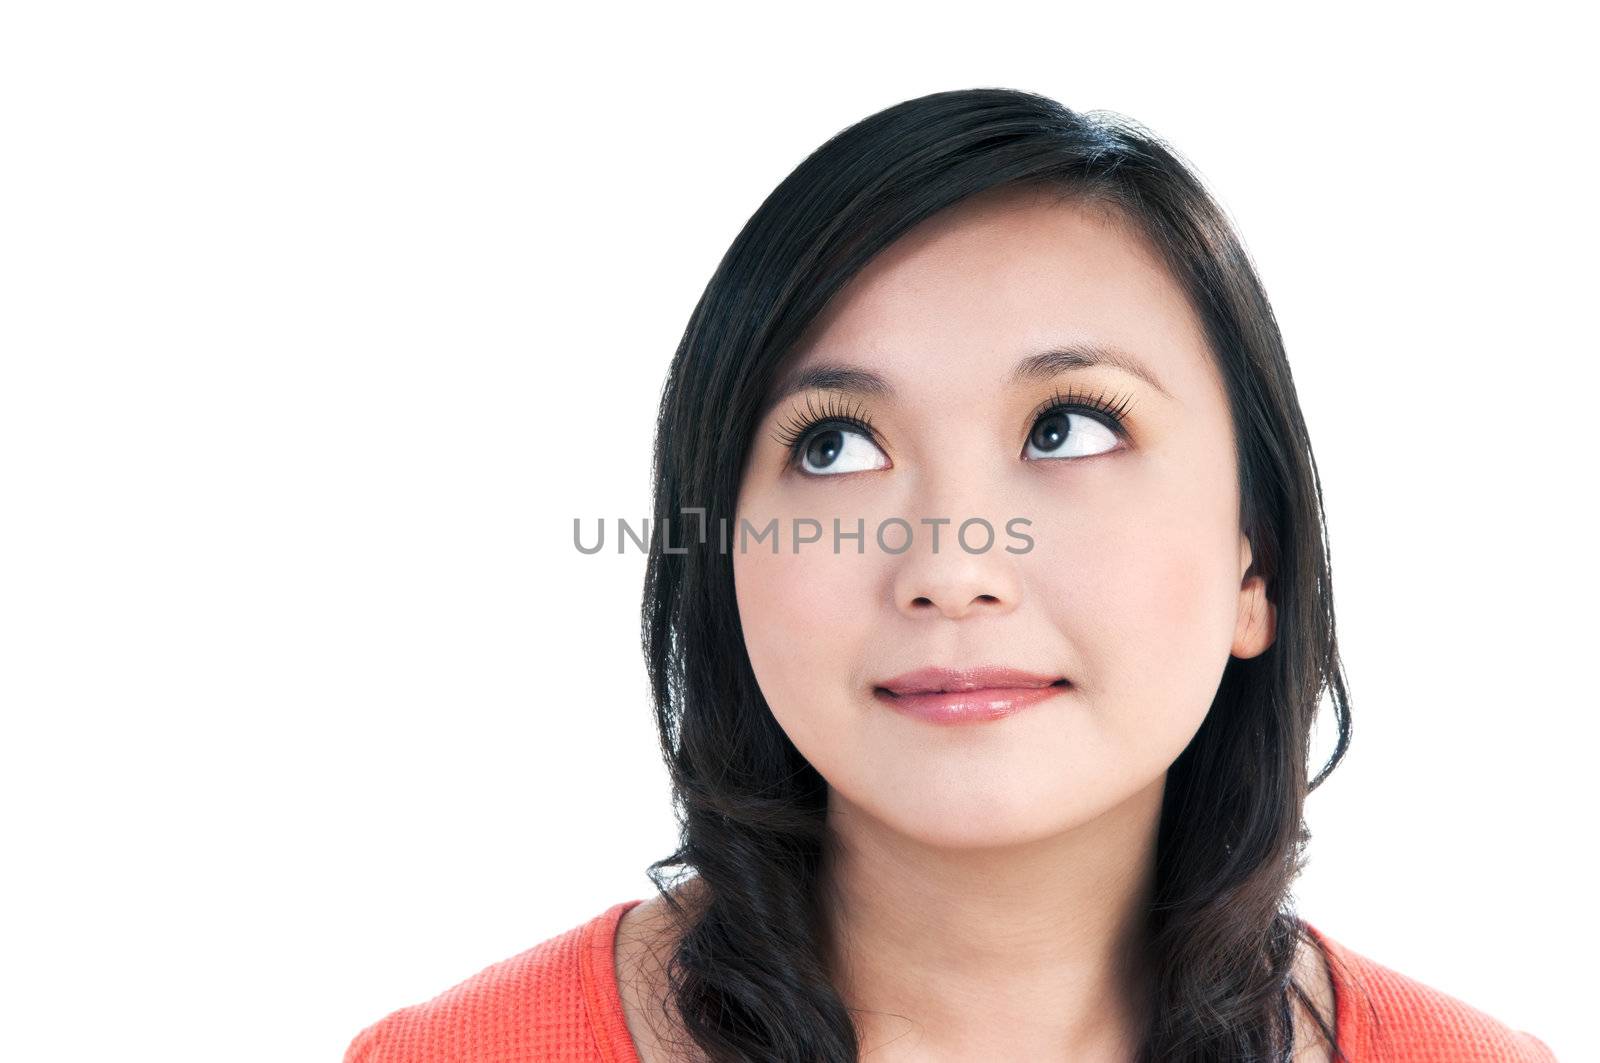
(953, 577)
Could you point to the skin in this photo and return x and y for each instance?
(988, 879)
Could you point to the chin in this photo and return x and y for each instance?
(987, 821)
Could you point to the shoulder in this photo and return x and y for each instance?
(554, 1003)
(1383, 1014)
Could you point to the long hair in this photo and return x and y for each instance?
(747, 976)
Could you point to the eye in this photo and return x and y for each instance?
(1062, 434)
(839, 449)
(830, 440)
(1074, 426)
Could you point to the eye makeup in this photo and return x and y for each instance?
(1111, 411)
(835, 412)
(793, 433)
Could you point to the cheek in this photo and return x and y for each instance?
(1174, 618)
(802, 616)
(1176, 589)
(1145, 591)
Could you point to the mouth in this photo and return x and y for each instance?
(947, 696)
(935, 680)
(888, 692)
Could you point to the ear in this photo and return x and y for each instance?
(1258, 618)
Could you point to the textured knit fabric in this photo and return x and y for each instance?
(558, 1003)
(555, 1003)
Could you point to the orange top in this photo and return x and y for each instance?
(558, 1003)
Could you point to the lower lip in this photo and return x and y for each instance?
(969, 706)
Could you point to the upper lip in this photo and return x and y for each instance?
(981, 677)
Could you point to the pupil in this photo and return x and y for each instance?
(1049, 433)
(825, 448)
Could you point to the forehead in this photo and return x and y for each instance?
(972, 289)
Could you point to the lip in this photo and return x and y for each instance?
(967, 695)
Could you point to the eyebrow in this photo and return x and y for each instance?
(829, 376)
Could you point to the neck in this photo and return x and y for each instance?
(1027, 951)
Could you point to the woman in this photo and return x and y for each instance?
(986, 630)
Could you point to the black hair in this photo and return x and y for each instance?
(748, 977)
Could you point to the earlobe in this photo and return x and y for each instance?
(1258, 619)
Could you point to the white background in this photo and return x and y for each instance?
(322, 321)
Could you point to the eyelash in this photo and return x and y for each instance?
(1111, 412)
(790, 434)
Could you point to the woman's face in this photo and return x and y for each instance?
(1135, 586)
